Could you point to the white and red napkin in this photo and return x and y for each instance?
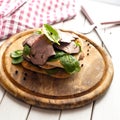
(25, 14)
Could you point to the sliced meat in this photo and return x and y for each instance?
(69, 48)
(41, 50)
(30, 40)
(66, 36)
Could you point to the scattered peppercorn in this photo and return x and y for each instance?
(25, 74)
(16, 72)
(87, 54)
(24, 78)
(81, 65)
(88, 44)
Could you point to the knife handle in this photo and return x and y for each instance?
(111, 22)
(86, 15)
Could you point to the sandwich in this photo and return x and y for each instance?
(50, 51)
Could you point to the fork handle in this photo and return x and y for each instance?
(86, 15)
(83, 10)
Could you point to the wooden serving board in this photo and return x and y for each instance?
(47, 92)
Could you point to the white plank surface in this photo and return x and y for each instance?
(43, 114)
(77, 114)
(13, 109)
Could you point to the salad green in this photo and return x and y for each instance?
(69, 62)
(26, 50)
(17, 56)
(51, 33)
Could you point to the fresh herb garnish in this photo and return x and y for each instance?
(51, 33)
(17, 56)
(70, 64)
(57, 55)
(17, 60)
(26, 50)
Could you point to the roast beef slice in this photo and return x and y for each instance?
(30, 40)
(66, 37)
(41, 50)
(69, 48)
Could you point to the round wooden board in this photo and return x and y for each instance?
(44, 91)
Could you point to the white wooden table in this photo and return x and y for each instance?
(106, 108)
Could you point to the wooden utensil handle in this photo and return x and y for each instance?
(85, 13)
(111, 22)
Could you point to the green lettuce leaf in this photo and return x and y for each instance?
(70, 64)
(17, 60)
(26, 50)
(51, 33)
(16, 54)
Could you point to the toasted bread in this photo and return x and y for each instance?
(54, 72)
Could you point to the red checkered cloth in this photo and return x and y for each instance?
(25, 14)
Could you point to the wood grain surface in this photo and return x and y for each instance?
(44, 91)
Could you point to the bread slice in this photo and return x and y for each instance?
(54, 72)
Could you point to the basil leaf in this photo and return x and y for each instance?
(70, 64)
(26, 50)
(57, 55)
(17, 60)
(16, 54)
(51, 33)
